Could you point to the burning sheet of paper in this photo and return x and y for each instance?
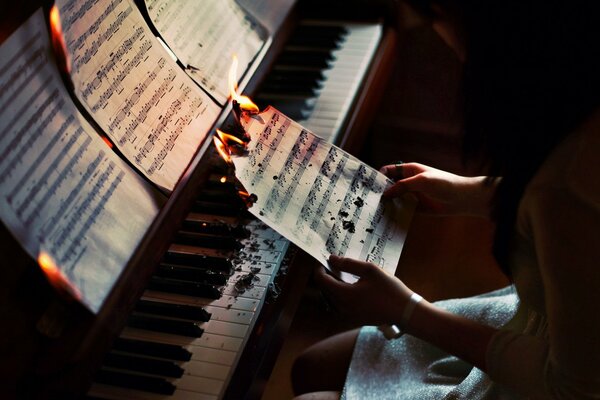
(319, 197)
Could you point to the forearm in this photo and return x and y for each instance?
(454, 334)
(478, 193)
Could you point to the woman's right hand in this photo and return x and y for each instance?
(440, 192)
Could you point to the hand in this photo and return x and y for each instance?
(377, 298)
(440, 192)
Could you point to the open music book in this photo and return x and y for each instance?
(74, 203)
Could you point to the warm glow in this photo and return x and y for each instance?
(223, 179)
(230, 140)
(58, 41)
(55, 276)
(107, 141)
(222, 149)
(244, 101)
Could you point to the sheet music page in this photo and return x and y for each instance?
(138, 95)
(62, 189)
(318, 196)
(204, 35)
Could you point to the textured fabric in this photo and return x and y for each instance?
(409, 368)
(550, 348)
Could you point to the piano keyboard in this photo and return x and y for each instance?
(189, 329)
(319, 72)
(187, 332)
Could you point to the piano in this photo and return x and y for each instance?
(203, 306)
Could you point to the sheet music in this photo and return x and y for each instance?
(62, 190)
(138, 95)
(318, 196)
(204, 35)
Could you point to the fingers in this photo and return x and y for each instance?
(401, 170)
(359, 268)
(411, 184)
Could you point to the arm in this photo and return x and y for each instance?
(440, 192)
(378, 299)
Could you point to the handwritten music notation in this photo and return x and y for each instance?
(318, 196)
(151, 110)
(62, 190)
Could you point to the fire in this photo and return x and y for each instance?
(248, 198)
(230, 140)
(55, 276)
(58, 41)
(244, 102)
(222, 149)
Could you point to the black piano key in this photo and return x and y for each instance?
(183, 328)
(152, 349)
(191, 274)
(282, 74)
(207, 240)
(146, 365)
(199, 260)
(172, 310)
(216, 208)
(314, 59)
(325, 42)
(215, 228)
(290, 89)
(196, 289)
(320, 30)
(131, 381)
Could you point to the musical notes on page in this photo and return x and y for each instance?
(63, 192)
(204, 35)
(153, 112)
(318, 196)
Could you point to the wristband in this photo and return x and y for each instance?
(393, 331)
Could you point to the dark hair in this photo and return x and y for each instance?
(531, 76)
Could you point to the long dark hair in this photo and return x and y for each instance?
(531, 76)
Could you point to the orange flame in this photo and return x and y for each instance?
(222, 149)
(229, 140)
(247, 198)
(58, 41)
(55, 276)
(244, 101)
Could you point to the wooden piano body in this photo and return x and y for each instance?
(51, 347)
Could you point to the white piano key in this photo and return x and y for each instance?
(224, 328)
(215, 356)
(206, 370)
(230, 315)
(199, 384)
(118, 393)
(225, 301)
(255, 292)
(206, 340)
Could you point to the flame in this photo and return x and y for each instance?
(55, 276)
(58, 41)
(223, 179)
(230, 140)
(247, 198)
(222, 149)
(107, 141)
(243, 101)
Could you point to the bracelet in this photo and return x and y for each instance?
(393, 331)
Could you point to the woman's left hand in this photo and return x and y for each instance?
(377, 298)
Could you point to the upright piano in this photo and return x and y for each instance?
(203, 306)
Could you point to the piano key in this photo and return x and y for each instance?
(224, 209)
(207, 370)
(152, 349)
(132, 381)
(223, 328)
(189, 288)
(225, 301)
(191, 274)
(172, 310)
(143, 364)
(198, 257)
(209, 340)
(184, 328)
(119, 393)
(206, 240)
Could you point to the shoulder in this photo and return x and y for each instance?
(567, 182)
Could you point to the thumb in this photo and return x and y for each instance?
(412, 184)
(355, 267)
